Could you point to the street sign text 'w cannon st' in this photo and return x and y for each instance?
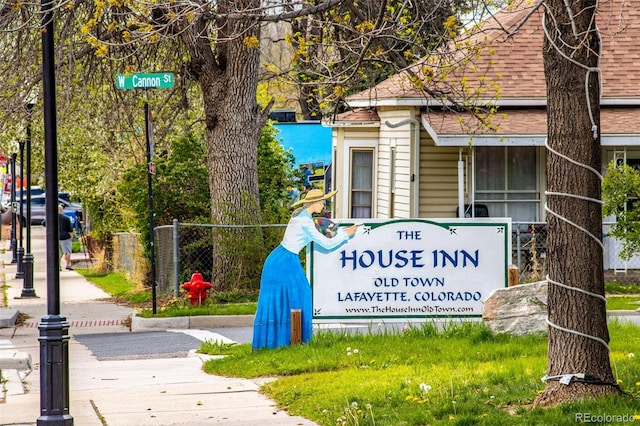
(163, 80)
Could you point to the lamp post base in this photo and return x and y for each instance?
(14, 249)
(27, 285)
(54, 371)
(20, 265)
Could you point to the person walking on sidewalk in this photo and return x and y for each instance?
(65, 237)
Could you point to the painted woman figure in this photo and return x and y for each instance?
(284, 285)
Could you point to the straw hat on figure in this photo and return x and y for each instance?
(284, 285)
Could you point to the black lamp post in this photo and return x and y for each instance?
(14, 242)
(54, 327)
(20, 220)
(27, 260)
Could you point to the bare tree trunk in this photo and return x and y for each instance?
(570, 51)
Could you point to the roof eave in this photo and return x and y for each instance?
(425, 102)
(348, 123)
(511, 102)
(611, 139)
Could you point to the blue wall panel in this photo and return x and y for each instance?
(309, 142)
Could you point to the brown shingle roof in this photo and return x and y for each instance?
(528, 122)
(358, 115)
(515, 63)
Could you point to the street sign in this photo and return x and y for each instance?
(162, 80)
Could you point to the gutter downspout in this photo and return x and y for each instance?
(392, 179)
(415, 163)
(461, 212)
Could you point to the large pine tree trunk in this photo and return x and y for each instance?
(575, 255)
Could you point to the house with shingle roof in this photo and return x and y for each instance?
(402, 154)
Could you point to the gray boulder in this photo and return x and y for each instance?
(517, 310)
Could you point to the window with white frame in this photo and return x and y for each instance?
(506, 180)
(361, 188)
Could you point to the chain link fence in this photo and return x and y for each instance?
(183, 248)
(128, 255)
(529, 244)
(529, 249)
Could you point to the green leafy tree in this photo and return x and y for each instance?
(276, 174)
(620, 193)
(180, 189)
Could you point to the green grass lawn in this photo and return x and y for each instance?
(619, 297)
(622, 296)
(617, 288)
(461, 375)
(177, 307)
(625, 303)
(118, 285)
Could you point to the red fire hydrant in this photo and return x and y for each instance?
(196, 288)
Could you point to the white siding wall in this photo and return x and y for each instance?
(345, 137)
(438, 179)
(403, 137)
(437, 170)
(383, 179)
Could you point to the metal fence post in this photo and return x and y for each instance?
(176, 259)
(518, 247)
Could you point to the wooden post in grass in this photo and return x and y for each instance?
(296, 327)
(514, 278)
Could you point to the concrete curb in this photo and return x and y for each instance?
(8, 317)
(195, 322)
(624, 313)
(15, 360)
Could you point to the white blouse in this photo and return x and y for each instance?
(301, 231)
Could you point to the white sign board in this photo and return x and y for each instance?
(411, 268)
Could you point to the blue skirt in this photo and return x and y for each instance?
(283, 286)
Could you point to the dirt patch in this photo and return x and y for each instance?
(161, 300)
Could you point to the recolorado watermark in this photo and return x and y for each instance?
(605, 418)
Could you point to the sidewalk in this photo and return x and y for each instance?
(167, 391)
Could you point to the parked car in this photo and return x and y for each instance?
(35, 191)
(38, 190)
(38, 210)
(20, 193)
